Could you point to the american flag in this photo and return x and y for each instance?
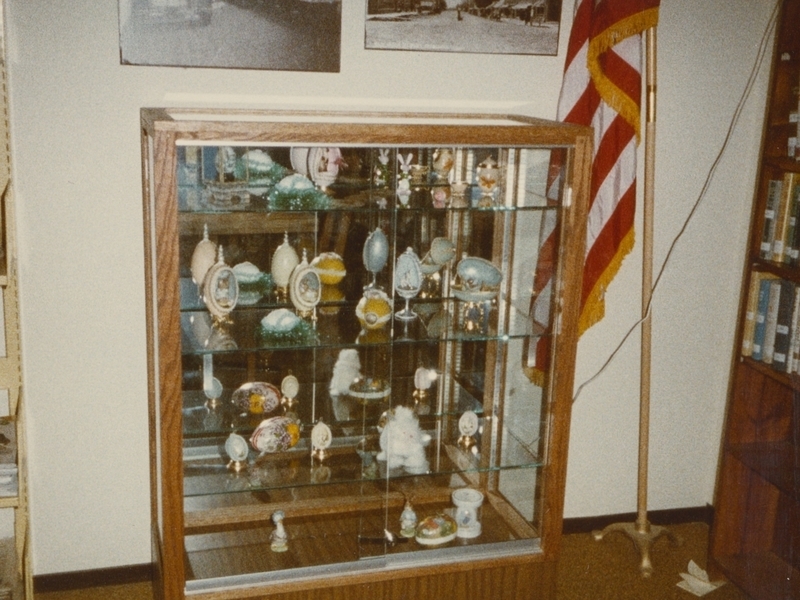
(601, 88)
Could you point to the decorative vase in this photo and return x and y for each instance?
(468, 503)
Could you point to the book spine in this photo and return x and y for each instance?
(770, 213)
(761, 318)
(791, 252)
(794, 250)
(749, 330)
(768, 349)
(783, 217)
(783, 325)
(794, 343)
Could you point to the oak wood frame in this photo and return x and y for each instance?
(507, 576)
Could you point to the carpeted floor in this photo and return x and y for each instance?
(588, 570)
(609, 569)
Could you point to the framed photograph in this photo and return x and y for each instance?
(282, 35)
(468, 26)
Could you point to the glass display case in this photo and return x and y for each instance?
(362, 342)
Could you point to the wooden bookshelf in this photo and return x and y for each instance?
(755, 538)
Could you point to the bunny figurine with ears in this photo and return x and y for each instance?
(381, 176)
(404, 178)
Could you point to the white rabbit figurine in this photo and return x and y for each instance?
(403, 442)
(404, 178)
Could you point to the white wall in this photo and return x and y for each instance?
(75, 140)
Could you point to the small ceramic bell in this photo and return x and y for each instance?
(408, 521)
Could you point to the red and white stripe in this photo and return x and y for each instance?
(601, 88)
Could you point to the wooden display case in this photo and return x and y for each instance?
(755, 539)
(342, 332)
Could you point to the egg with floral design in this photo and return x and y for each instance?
(257, 397)
(276, 434)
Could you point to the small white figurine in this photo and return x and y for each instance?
(346, 370)
(279, 539)
(403, 442)
(408, 521)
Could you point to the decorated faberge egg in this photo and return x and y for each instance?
(284, 261)
(256, 162)
(257, 397)
(280, 320)
(476, 279)
(442, 250)
(376, 251)
(295, 183)
(305, 287)
(275, 434)
(246, 273)
(374, 309)
(203, 258)
(330, 267)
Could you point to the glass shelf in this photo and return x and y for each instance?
(206, 471)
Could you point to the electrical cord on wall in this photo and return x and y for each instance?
(748, 88)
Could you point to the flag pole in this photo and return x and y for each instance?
(642, 532)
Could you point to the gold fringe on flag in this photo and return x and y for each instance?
(611, 94)
(594, 308)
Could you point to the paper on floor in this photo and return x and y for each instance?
(696, 581)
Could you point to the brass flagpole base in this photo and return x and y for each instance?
(643, 538)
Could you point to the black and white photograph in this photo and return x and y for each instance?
(467, 26)
(283, 35)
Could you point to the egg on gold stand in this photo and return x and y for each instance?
(284, 261)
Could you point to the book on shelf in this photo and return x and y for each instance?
(771, 332)
(764, 283)
(793, 356)
(783, 324)
(771, 322)
(782, 239)
(792, 256)
(751, 310)
(770, 217)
